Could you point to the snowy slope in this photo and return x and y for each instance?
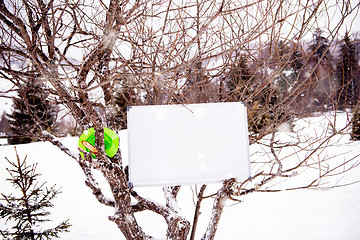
(300, 214)
(89, 219)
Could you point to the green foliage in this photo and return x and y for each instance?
(258, 120)
(32, 113)
(347, 72)
(318, 89)
(319, 47)
(296, 60)
(355, 133)
(288, 64)
(25, 208)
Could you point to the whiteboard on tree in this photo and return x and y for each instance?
(187, 144)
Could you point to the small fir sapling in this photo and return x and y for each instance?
(25, 209)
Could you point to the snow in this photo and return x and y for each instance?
(5, 94)
(300, 214)
(76, 202)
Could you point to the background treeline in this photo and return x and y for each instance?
(277, 82)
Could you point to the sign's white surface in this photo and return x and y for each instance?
(187, 144)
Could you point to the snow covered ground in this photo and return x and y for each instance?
(301, 214)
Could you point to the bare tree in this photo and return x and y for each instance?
(165, 52)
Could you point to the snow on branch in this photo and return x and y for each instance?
(178, 226)
(170, 199)
(94, 186)
(46, 136)
(218, 207)
(146, 204)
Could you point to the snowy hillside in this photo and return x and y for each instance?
(300, 214)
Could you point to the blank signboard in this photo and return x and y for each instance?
(187, 144)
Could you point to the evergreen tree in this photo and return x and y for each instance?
(347, 72)
(355, 133)
(319, 47)
(291, 63)
(239, 81)
(321, 86)
(282, 65)
(32, 113)
(27, 209)
(297, 60)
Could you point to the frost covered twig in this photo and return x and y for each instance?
(94, 186)
(280, 166)
(46, 136)
(219, 203)
(178, 226)
(170, 198)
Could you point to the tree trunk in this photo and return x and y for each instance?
(178, 228)
(219, 203)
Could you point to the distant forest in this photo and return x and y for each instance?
(277, 82)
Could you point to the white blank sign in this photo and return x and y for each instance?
(187, 144)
